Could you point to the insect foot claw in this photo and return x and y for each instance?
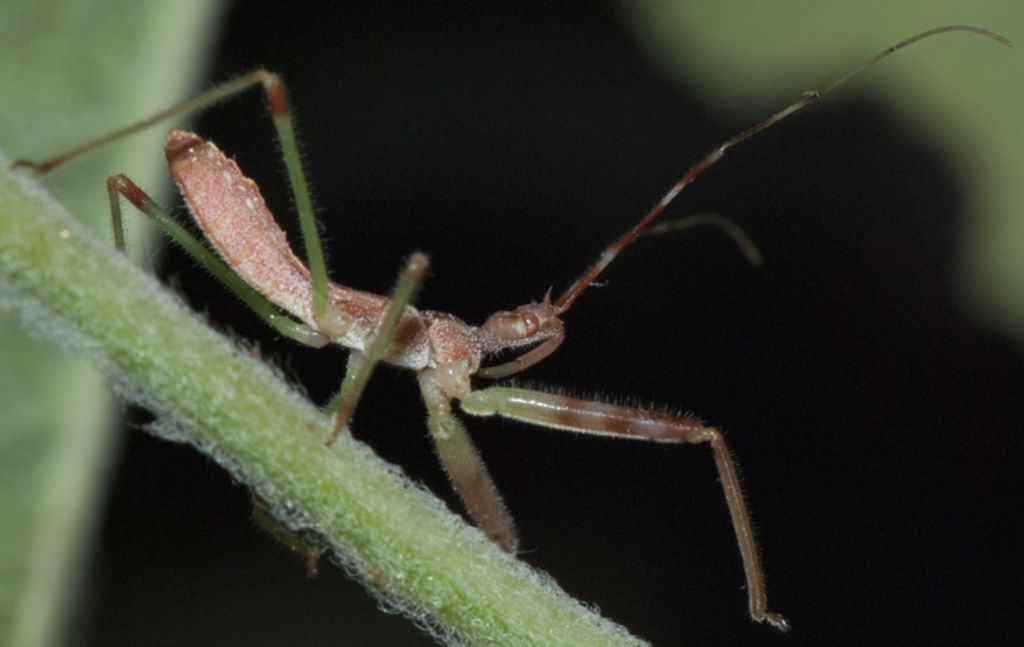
(26, 164)
(776, 620)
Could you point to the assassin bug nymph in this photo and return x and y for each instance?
(255, 261)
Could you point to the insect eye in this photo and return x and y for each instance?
(531, 324)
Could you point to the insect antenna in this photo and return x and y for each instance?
(573, 292)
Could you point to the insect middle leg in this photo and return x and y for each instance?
(361, 364)
(560, 412)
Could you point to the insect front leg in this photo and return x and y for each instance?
(560, 412)
(462, 462)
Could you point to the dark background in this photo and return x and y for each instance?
(877, 427)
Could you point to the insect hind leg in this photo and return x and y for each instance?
(121, 185)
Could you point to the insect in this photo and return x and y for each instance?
(253, 258)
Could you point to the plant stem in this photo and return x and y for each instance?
(410, 550)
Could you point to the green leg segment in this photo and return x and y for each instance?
(274, 89)
(121, 185)
(361, 365)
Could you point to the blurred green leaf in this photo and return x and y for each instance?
(72, 70)
(961, 92)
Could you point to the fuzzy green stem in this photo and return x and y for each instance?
(400, 540)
